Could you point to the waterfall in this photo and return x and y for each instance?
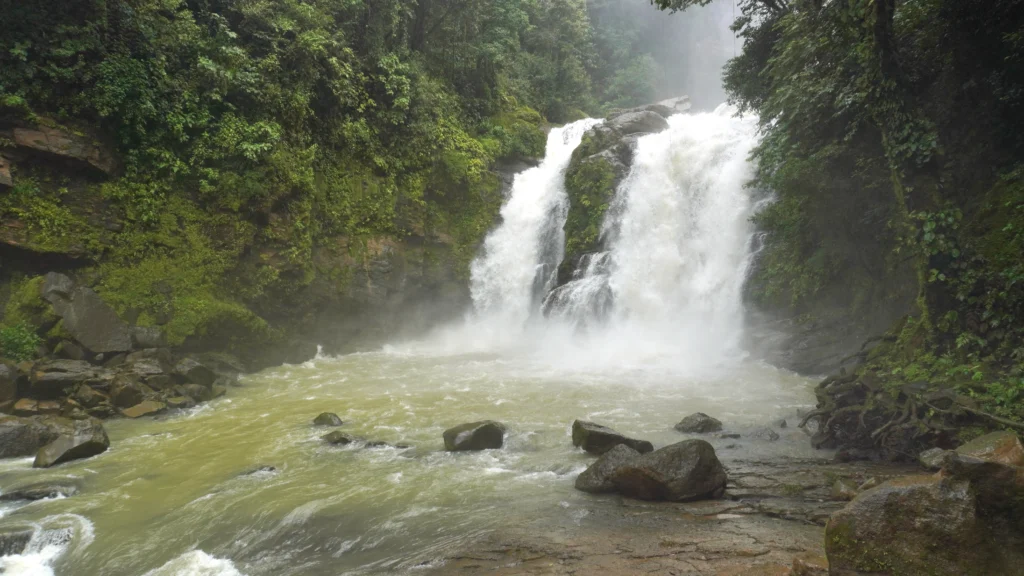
(520, 257)
(677, 238)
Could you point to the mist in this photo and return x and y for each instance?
(689, 48)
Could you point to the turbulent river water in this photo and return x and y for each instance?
(244, 485)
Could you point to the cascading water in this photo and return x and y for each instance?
(519, 258)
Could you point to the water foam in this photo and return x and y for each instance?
(196, 563)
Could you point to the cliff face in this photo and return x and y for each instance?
(212, 279)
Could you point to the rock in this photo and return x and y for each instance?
(728, 436)
(51, 379)
(687, 470)
(115, 361)
(844, 489)
(766, 434)
(6, 180)
(40, 491)
(93, 323)
(160, 382)
(14, 540)
(126, 392)
(87, 439)
(266, 469)
(327, 419)
(191, 370)
(145, 367)
(998, 488)
(147, 337)
(640, 122)
(809, 565)
(26, 407)
(1003, 447)
(8, 382)
(144, 408)
(932, 459)
(65, 144)
(780, 423)
(181, 402)
(218, 391)
(25, 436)
(338, 438)
(676, 105)
(200, 393)
(70, 350)
(56, 287)
(698, 423)
(914, 525)
(88, 397)
(483, 435)
(49, 407)
(596, 439)
(597, 478)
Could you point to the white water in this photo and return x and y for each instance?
(513, 256)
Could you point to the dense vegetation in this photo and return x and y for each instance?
(892, 140)
(251, 134)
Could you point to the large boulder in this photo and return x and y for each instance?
(484, 435)
(93, 323)
(86, 439)
(698, 423)
(597, 439)
(88, 397)
(1002, 447)
(127, 392)
(25, 436)
(51, 379)
(327, 419)
(56, 287)
(194, 371)
(597, 478)
(638, 122)
(148, 337)
(684, 471)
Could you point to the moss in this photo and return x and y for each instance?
(27, 307)
(590, 184)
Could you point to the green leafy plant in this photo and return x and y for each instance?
(18, 342)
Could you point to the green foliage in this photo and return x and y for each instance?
(590, 184)
(26, 306)
(18, 342)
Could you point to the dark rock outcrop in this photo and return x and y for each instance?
(698, 423)
(597, 478)
(684, 471)
(87, 438)
(25, 436)
(338, 438)
(596, 439)
(484, 435)
(327, 419)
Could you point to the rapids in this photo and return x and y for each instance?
(244, 485)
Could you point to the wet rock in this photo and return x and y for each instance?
(56, 286)
(687, 470)
(640, 122)
(87, 439)
(160, 382)
(327, 419)
(914, 525)
(144, 408)
(868, 484)
(218, 391)
(87, 397)
(148, 337)
(483, 435)
(40, 491)
(809, 565)
(698, 423)
(26, 407)
(597, 478)
(596, 439)
(51, 379)
(728, 436)
(24, 436)
(199, 392)
(115, 361)
(126, 393)
(1003, 447)
(766, 434)
(780, 423)
(49, 407)
(8, 382)
(191, 370)
(15, 540)
(338, 438)
(998, 488)
(93, 323)
(181, 402)
(932, 459)
(266, 469)
(844, 489)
